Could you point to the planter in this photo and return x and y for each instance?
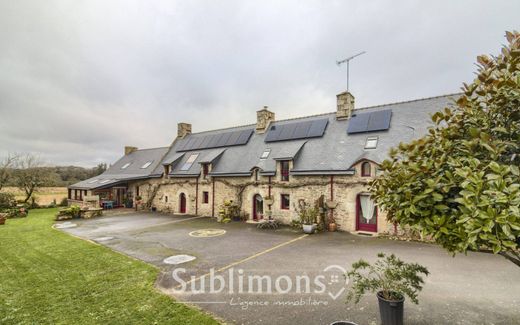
(391, 311)
(343, 322)
(2, 221)
(269, 201)
(309, 229)
(333, 226)
(331, 204)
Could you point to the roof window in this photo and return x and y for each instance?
(105, 181)
(147, 164)
(93, 181)
(371, 143)
(265, 154)
(191, 159)
(125, 166)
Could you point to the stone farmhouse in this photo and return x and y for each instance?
(268, 167)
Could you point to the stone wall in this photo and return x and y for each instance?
(243, 189)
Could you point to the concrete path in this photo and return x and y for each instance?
(474, 289)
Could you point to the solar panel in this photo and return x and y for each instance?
(369, 122)
(317, 128)
(302, 129)
(358, 123)
(223, 139)
(273, 133)
(244, 136)
(297, 130)
(287, 132)
(379, 120)
(232, 138)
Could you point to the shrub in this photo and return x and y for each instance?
(308, 213)
(64, 202)
(7, 200)
(388, 275)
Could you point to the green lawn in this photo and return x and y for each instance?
(49, 277)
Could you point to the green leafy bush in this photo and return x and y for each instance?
(388, 275)
(7, 200)
(307, 212)
(460, 183)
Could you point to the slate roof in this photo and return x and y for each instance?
(115, 174)
(335, 153)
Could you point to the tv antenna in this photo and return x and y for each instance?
(347, 60)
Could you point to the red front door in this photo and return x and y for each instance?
(258, 207)
(182, 203)
(366, 213)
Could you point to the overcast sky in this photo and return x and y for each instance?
(81, 79)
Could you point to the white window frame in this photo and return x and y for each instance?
(265, 154)
(371, 142)
(125, 166)
(147, 164)
(189, 162)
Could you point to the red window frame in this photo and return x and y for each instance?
(365, 173)
(205, 170)
(205, 197)
(284, 170)
(283, 204)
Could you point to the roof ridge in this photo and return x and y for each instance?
(154, 148)
(226, 128)
(408, 101)
(329, 113)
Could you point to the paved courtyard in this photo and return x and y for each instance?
(476, 288)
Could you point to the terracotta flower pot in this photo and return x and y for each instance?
(333, 226)
(2, 221)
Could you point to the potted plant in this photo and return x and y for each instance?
(269, 200)
(391, 279)
(308, 214)
(332, 226)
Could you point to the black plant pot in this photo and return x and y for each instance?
(341, 322)
(391, 311)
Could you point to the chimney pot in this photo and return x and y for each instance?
(183, 129)
(345, 103)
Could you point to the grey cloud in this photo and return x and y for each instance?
(81, 79)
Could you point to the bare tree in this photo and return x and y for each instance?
(6, 166)
(30, 174)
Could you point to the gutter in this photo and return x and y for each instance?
(322, 172)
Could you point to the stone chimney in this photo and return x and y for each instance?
(345, 104)
(263, 118)
(183, 129)
(129, 150)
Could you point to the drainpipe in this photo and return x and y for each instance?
(269, 190)
(332, 195)
(213, 197)
(197, 196)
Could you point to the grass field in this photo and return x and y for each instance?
(44, 196)
(49, 277)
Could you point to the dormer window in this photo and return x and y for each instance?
(265, 154)
(125, 166)
(284, 170)
(146, 164)
(187, 165)
(371, 143)
(366, 169)
(205, 170)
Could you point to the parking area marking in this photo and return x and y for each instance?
(247, 258)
